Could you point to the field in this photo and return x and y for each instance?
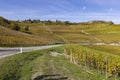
(107, 48)
(45, 64)
(92, 32)
(60, 33)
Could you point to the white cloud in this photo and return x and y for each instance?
(111, 9)
(105, 2)
(84, 8)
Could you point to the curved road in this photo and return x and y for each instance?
(11, 51)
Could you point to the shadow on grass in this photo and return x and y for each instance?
(50, 77)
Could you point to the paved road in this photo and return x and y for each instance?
(11, 51)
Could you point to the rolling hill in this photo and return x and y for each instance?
(51, 32)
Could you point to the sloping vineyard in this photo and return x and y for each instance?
(103, 61)
(14, 38)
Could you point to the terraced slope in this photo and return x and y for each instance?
(61, 33)
(40, 33)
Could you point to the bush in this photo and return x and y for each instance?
(14, 26)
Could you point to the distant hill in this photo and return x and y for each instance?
(97, 22)
(100, 21)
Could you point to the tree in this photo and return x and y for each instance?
(67, 22)
(3, 21)
(14, 26)
(27, 28)
(110, 22)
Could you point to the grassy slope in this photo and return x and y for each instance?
(33, 64)
(104, 32)
(107, 33)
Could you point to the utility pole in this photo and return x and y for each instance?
(21, 50)
(85, 59)
(106, 68)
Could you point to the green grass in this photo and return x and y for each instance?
(13, 67)
(60, 65)
(30, 65)
(10, 67)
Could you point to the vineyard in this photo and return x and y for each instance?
(14, 38)
(102, 61)
(106, 48)
(35, 32)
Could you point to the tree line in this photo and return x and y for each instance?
(47, 22)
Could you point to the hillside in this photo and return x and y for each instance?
(36, 32)
(93, 31)
(10, 37)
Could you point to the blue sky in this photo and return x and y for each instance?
(71, 10)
